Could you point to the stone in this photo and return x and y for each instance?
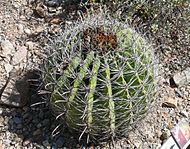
(1, 110)
(45, 122)
(20, 28)
(27, 31)
(182, 78)
(19, 56)
(30, 45)
(17, 120)
(56, 20)
(39, 125)
(53, 3)
(45, 143)
(170, 102)
(40, 10)
(165, 135)
(184, 113)
(8, 68)
(37, 132)
(27, 142)
(15, 93)
(60, 142)
(38, 30)
(1, 121)
(7, 48)
(19, 126)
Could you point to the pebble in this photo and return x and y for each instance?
(1, 111)
(170, 102)
(41, 10)
(20, 28)
(1, 121)
(7, 48)
(27, 142)
(45, 122)
(165, 135)
(182, 78)
(39, 125)
(19, 97)
(41, 114)
(38, 30)
(53, 3)
(184, 113)
(30, 45)
(17, 120)
(37, 132)
(19, 126)
(19, 56)
(60, 142)
(27, 31)
(8, 68)
(45, 143)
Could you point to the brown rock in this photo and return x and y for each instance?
(41, 10)
(56, 20)
(170, 102)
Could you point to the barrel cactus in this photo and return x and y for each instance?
(100, 74)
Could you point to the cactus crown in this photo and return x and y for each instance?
(100, 74)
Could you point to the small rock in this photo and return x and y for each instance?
(41, 10)
(53, 3)
(38, 30)
(20, 28)
(45, 122)
(56, 20)
(7, 142)
(1, 111)
(41, 114)
(7, 48)
(37, 132)
(60, 142)
(17, 120)
(30, 45)
(182, 78)
(68, 22)
(178, 92)
(165, 135)
(19, 56)
(27, 142)
(170, 102)
(27, 31)
(52, 10)
(19, 126)
(15, 93)
(32, 1)
(1, 121)
(184, 113)
(39, 125)
(45, 143)
(8, 68)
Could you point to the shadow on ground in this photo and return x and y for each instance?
(34, 123)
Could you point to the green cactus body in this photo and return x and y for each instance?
(100, 92)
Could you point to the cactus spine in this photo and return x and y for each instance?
(100, 74)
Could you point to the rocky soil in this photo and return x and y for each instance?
(25, 120)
